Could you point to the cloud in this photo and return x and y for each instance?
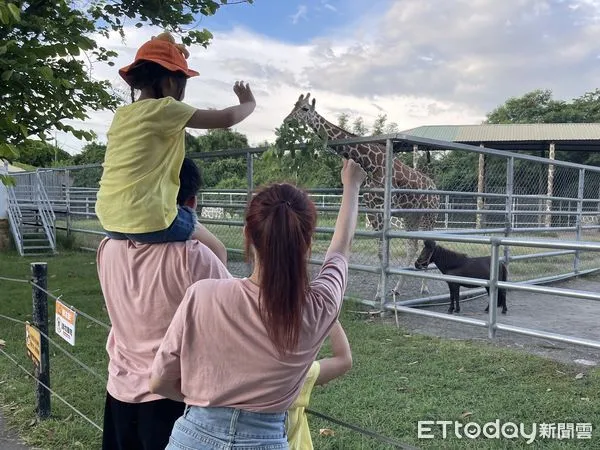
(299, 14)
(278, 73)
(423, 62)
(329, 6)
(478, 52)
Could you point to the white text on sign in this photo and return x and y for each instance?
(65, 322)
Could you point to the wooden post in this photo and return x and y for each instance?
(551, 155)
(39, 274)
(480, 187)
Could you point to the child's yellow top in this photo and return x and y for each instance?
(145, 151)
(297, 422)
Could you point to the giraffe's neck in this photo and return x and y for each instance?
(364, 154)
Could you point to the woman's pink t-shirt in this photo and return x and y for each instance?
(218, 346)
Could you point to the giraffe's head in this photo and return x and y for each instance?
(304, 112)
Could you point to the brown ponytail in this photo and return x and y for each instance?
(280, 223)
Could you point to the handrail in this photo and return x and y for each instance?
(46, 212)
(15, 217)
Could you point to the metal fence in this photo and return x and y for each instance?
(483, 193)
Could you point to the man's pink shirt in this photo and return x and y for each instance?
(219, 349)
(143, 285)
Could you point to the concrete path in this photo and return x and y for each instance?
(8, 439)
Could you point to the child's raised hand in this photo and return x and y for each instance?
(243, 92)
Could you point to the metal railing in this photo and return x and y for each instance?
(506, 208)
(494, 284)
(45, 210)
(15, 219)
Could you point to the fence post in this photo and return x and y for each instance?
(480, 188)
(250, 174)
(387, 205)
(68, 200)
(39, 275)
(550, 190)
(494, 266)
(446, 215)
(510, 176)
(580, 190)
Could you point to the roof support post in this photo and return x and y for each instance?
(480, 187)
(415, 156)
(550, 190)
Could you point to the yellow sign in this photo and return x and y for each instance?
(65, 322)
(33, 341)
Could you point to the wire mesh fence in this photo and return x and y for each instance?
(480, 191)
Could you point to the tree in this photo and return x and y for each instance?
(221, 173)
(358, 127)
(92, 153)
(343, 120)
(47, 53)
(380, 126)
(534, 107)
(40, 154)
(539, 107)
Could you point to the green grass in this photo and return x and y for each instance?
(397, 378)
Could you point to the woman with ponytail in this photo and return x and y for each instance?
(237, 351)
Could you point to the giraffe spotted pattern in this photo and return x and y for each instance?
(371, 157)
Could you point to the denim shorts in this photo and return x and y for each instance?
(228, 428)
(180, 230)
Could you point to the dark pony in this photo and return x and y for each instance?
(460, 265)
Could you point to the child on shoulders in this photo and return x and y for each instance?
(137, 199)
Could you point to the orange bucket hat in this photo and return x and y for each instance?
(162, 50)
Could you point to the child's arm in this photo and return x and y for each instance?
(228, 117)
(202, 234)
(341, 361)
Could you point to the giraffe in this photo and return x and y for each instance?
(371, 157)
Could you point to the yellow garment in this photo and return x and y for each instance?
(297, 422)
(145, 151)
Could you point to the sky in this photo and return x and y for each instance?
(421, 62)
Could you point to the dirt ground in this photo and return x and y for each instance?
(562, 315)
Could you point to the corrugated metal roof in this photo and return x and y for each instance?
(509, 132)
(439, 132)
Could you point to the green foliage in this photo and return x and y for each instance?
(40, 154)
(92, 153)
(46, 53)
(319, 169)
(358, 127)
(343, 120)
(221, 173)
(539, 107)
(7, 180)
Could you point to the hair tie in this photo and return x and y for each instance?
(286, 202)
